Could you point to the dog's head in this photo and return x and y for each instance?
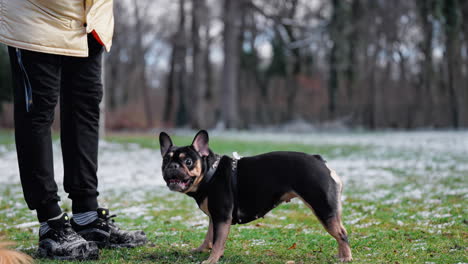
(183, 167)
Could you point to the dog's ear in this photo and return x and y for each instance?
(165, 143)
(200, 143)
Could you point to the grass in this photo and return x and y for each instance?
(388, 225)
(6, 137)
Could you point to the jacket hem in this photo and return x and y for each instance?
(43, 49)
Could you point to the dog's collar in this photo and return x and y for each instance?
(212, 170)
(235, 192)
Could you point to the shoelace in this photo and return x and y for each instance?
(67, 231)
(67, 228)
(110, 221)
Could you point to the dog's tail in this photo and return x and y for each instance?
(8, 256)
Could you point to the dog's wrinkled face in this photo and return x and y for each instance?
(182, 166)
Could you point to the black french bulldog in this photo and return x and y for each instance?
(232, 191)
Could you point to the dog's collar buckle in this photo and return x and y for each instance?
(212, 170)
(216, 163)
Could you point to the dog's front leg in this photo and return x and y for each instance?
(220, 232)
(208, 243)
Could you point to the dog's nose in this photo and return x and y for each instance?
(174, 165)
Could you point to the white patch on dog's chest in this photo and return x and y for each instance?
(334, 175)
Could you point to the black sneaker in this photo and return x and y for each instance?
(105, 233)
(61, 242)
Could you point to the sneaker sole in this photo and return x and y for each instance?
(89, 253)
(106, 243)
(93, 231)
(109, 245)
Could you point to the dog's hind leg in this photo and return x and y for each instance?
(325, 202)
(208, 242)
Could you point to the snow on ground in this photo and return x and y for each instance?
(387, 167)
(441, 141)
(121, 167)
(391, 158)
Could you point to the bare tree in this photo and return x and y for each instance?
(452, 56)
(373, 63)
(137, 40)
(337, 54)
(294, 63)
(116, 67)
(426, 10)
(464, 11)
(176, 86)
(139, 55)
(231, 16)
(199, 58)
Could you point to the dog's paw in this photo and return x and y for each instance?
(210, 261)
(346, 259)
(205, 247)
(199, 250)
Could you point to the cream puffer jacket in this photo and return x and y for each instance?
(56, 26)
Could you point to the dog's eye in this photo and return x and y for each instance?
(188, 162)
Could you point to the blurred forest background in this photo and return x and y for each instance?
(259, 63)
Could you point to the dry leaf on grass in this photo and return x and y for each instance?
(293, 246)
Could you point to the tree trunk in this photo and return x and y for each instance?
(140, 54)
(354, 39)
(207, 63)
(464, 15)
(181, 69)
(430, 104)
(198, 119)
(229, 108)
(169, 97)
(452, 55)
(294, 67)
(336, 55)
(176, 83)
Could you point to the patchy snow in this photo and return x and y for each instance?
(133, 211)
(130, 167)
(258, 242)
(176, 218)
(419, 161)
(440, 141)
(27, 225)
(122, 168)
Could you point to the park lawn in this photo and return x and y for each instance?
(391, 227)
(6, 137)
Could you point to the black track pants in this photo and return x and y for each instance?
(40, 80)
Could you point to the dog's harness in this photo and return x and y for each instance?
(235, 211)
(211, 172)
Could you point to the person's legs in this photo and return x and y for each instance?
(36, 90)
(39, 74)
(81, 93)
